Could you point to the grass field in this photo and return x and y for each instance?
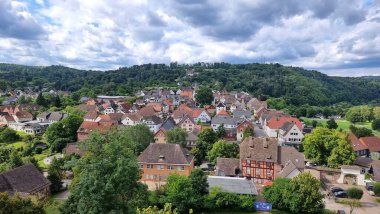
(342, 124)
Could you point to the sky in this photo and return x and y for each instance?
(336, 37)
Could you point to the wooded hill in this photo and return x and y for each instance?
(296, 85)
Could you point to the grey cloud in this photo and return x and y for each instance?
(13, 25)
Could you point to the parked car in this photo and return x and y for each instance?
(369, 186)
(340, 194)
(341, 212)
(336, 189)
(311, 164)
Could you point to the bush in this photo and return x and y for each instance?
(376, 124)
(217, 200)
(38, 150)
(8, 135)
(376, 189)
(354, 193)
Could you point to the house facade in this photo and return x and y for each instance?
(159, 160)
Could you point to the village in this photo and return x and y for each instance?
(267, 142)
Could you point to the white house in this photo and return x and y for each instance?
(201, 115)
(109, 110)
(290, 134)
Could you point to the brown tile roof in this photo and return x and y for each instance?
(222, 113)
(72, 148)
(23, 114)
(24, 179)
(147, 111)
(259, 149)
(227, 166)
(357, 145)
(171, 153)
(156, 106)
(85, 107)
(89, 126)
(277, 122)
(363, 161)
(117, 117)
(373, 143)
(91, 115)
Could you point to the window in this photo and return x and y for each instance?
(258, 171)
(180, 168)
(248, 161)
(149, 166)
(147, 176)
(248, 170)
(170, 167)
(141, 166)
(160, 167)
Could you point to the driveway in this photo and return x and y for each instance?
(369, 205)
(259, 132)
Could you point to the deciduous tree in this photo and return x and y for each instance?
(176, 135)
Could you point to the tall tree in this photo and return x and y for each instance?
(360, 131)
(67, 128)
(176, 135)
(16, 204)
(57, 102)
(108, 178)
(55, 175)
(206, 138)
(248, 132)
(224, 150)
(41, 100)
(331, 124)
(204, 96)
(221, 132)
(376, 124)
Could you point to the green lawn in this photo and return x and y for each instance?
(342, 124)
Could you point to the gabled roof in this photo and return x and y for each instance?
(259, 149)
(242, 113)
(23, 179)
(222, 112)
(154, 119)
(187, 117)
(72, 148)
(165, 153)
(23, 114)
(357, 145)
(169, 123)
(241, 186)
(290, 154)
(147, 111)
(89, 126)
(288, 168)
(156, 106)
(277, 122)
(373, 143)
(225, 120)
(227, 166)
(91, 115)
(198, 111)
(221, 105)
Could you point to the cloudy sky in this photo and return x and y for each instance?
(337, 37)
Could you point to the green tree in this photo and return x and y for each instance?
(176, 135)
(206, 138)
(343, 153)
(376, 124)
(66, 128)
(155, 210)
(204, 96)
(276, 103)
(15, 160)
(359, 114)
(376, 188)
(59, 144)
(8, 135)
(107, 178)
(376, 112)
(41, 100)
(137, 137)
(224, 150)
(305, 196)
(221, 132)
(331, 124)
(320, 144)
(314, 123)
(55, 175)
(248, 132)
(16, 204)
(180, 193)
(277, 193)
(56, 101)
(361, 131)
(198, 180)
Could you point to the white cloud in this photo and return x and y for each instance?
(100, 34)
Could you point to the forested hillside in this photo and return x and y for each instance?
(296, 85)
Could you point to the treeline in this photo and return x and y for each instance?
(296, 85)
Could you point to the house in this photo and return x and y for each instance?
(191, 139)
(160, 136)
(108, 109)
(187, 123)
(240, 129)
(255, 104)
(220, 107)
(241, 186)
(227, 122)
(91, 116)
(153, 122)
(262, 160)
(6, 119)
(73, 149)
(87, 127)
(159, 160)
(26, 180)
(201, 115)
(227, 167)
(111, 117)
(30, 127)
(22, 116)
(242, 114)
(131, 119)
(273, 125)
(290, 134)
(366, 146)
(51, 117)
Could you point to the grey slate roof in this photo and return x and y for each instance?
(227, 166)
(225, 120)
(289, 153)
(242, 113)
(24, 179)
(171, 153)
(230, 184)
(169, 123)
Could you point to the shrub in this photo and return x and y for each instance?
(354, 193)
(376, 189)
(8, 135)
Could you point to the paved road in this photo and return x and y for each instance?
(259, 132)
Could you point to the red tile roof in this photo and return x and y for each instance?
(277, 122)
(222, 113)
(357, 145)
(373, 143)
